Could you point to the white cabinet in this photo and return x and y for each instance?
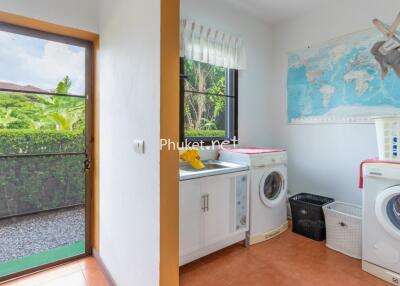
(218, 217)
(190, 218)
(213, 214)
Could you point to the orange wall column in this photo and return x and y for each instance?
(169, 124)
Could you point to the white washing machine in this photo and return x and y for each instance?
(381, 221)
(268, 189)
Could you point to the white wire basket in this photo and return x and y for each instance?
(343, 228)
(388, 136)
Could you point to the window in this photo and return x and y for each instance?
(208, 102)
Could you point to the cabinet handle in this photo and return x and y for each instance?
(207, 202)
(203, 203)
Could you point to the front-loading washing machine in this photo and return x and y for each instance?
(381, 221)
(268, 189)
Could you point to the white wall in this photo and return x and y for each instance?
(254, 82)
(324, 159)
(72, 13)
(129, 109)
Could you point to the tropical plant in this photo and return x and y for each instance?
(204, 103)
(5, 118)
(64, 86)
(67, 113)
(43, 112)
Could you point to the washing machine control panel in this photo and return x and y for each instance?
(264, 160)
(387, 171)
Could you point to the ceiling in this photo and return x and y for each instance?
(274, 11)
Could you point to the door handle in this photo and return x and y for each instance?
(87, 164)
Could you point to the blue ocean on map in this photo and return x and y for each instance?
(340, 82)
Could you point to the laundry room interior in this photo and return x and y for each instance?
(187, 142)
(316, 102)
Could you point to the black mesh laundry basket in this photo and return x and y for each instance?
(307, 215)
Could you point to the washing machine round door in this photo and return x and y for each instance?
(387, 210)
(272, 188)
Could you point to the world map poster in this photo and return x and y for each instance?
(340, 82)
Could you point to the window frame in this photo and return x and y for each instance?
(232, 128)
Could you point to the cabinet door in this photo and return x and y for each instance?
(219, 216)
(190, 217)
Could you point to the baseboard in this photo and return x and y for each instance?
(268, 235)
(382, 273)
(103, 267)
(241, 236)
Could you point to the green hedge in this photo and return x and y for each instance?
(38, 141)
(204, 133)
(30, 184)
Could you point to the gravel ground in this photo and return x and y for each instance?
(27, 235)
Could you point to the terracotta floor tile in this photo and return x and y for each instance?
(95, 278)
(82, 272)
(288, 259)
(11, 283)
(233, 268)
(89, 263)
(201, 276)
(76, 279)
(48, 275)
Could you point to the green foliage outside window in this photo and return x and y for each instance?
(40, 141)
(31, 184)
(204, 100)
(42, 112)
(37, 124)
(204, 133)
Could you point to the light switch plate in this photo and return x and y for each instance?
(138, 146)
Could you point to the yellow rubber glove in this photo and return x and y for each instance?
(193, 158)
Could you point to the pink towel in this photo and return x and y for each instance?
(252, 150)
(374, 160)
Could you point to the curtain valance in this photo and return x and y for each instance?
(207, 45)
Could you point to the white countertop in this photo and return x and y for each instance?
(213, 168)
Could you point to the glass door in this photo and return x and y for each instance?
(45, 135)
(393, 211)
(387, 210)
(272, 188)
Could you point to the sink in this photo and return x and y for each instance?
(208, 166)
(211, 168)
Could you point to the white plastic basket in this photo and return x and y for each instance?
(343, 228)
(388, 136)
